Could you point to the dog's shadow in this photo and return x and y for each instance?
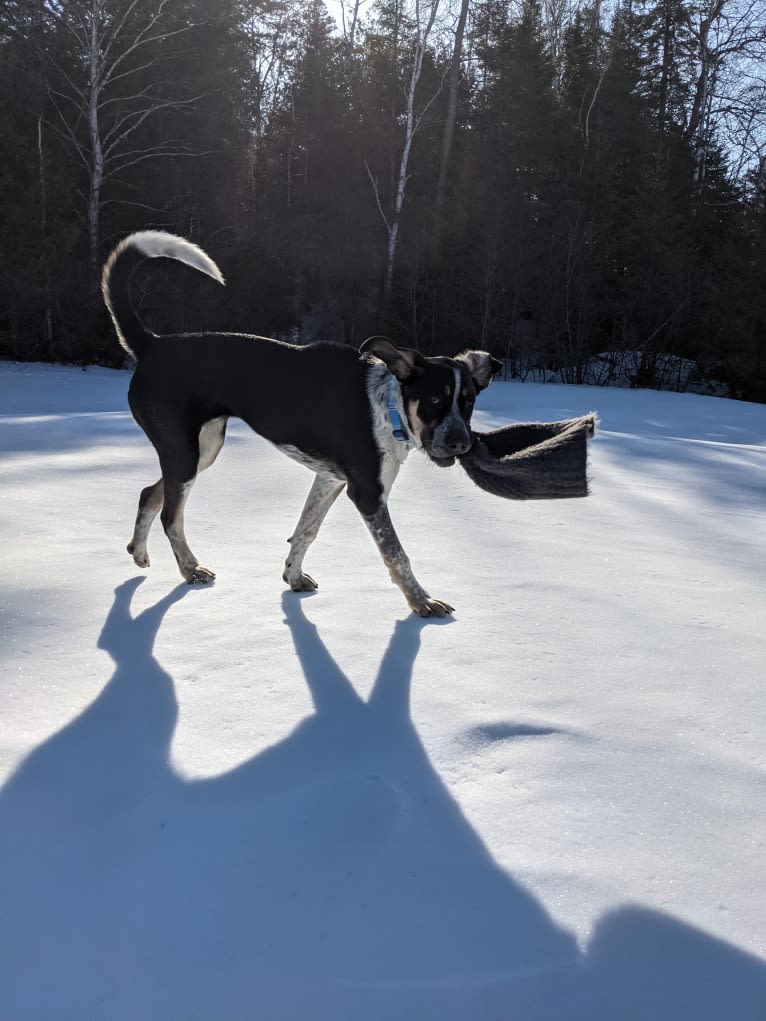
(332, 876)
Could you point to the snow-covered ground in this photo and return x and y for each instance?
(236, 803)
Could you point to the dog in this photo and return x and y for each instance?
(350, 416)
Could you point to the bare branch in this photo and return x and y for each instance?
(155, 154)
(66, 133)
(139, 42)
(140, 116)
(419, 119)
(596, 91)
(117, 30)
(374, 183)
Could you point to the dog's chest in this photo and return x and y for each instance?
(389, 452)
(393, 452)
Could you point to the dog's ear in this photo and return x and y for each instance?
(404, 362)
(482, 367)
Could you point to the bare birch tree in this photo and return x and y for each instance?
(730, 40)
(350, 13)
(117, 47)
(557, 16)
(270, 34)
(449, 124)
(424, 23)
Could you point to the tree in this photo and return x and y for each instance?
(33, 228)
(350, 12)
(423, 24)
(729, 35)
(449, 124)
(106, 81)
(270, 30)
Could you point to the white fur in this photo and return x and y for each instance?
(211, 437)
(454, 419)
(318, 466)
(393, 452)
(479, 365)
(157, 244)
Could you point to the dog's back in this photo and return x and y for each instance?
(312, 397)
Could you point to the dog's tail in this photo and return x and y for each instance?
(115, 280)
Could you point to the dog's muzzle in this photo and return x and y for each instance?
(445, 452)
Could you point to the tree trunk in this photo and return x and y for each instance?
(96, 153)
(449, 126)
(48, 311)
(393, 234)
(93, 216)
(349, 33)
(664, 74)
(411, 127)
(698, 117)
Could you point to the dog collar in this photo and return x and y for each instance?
(400, 433)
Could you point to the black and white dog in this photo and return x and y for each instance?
(351, 417)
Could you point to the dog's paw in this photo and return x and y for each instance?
(139, 559)
(200, 576)
(430, 607)
(303, 583)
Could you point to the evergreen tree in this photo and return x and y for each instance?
(604, 186)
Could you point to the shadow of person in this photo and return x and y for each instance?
(332, 876)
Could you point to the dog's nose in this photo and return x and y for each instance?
(458, 445)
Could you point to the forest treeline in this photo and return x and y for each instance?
(546, 179)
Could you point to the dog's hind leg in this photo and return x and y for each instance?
(323, 494)
(211, 437)
(179, 475)
(176, 492)
(149, 506)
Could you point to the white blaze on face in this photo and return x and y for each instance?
(453, 421)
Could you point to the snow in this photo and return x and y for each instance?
(233, 802)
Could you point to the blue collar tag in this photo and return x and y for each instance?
(400, 433)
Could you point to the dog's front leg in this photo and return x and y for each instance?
(323, 494)
(396, 560)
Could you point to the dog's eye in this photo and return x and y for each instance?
(436, 400)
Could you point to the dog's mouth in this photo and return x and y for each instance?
(443, 462)
(443, 458)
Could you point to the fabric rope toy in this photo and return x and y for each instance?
(532, 460)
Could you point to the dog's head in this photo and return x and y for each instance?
(438, 394)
